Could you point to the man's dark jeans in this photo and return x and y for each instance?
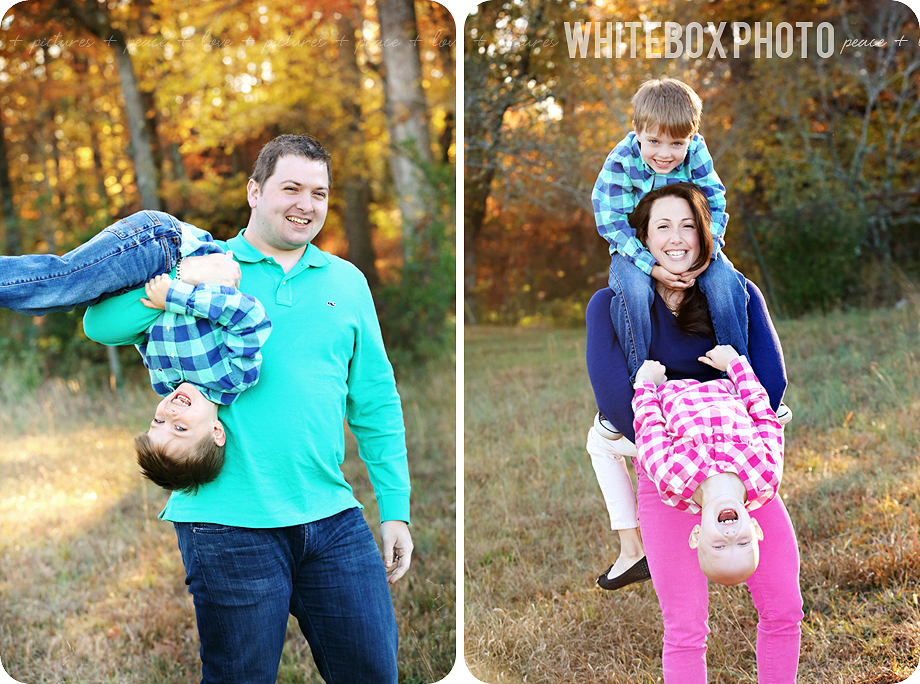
(328, 574)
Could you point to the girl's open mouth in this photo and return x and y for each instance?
(728, 515)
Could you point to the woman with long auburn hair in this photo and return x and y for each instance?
(673, 223)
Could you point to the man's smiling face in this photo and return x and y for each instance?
(290, 207)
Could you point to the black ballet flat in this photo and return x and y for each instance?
(639, 572)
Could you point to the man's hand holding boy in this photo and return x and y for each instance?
(213, 269)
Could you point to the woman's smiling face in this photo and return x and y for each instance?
(672, 234)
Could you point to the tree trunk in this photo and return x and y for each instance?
(94, 20)
(355, 186)
(407, 116)
(145, 172)
(178, 163)
(98, 168)
(12, 242)
(483, 124)
(358, 229)
(115, 381)
(56, 157)
(477, 187)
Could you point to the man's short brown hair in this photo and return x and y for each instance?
(667, 107)
(284, 145)
(184, 473)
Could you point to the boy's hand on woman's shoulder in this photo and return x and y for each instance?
(671, 280)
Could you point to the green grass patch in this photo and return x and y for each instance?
(92, 584)
(536, 531)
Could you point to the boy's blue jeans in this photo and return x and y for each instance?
(328, 574)
(123, 256)
(634, 293)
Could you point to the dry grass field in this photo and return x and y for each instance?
(537, 534)
(92, 584)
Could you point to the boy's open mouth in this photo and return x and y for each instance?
(181, 398)
(298, 221)
(727, 515)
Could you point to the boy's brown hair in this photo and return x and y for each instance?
(667, 107)
(183, 473)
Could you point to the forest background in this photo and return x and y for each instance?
(109, 108)
(820, 156)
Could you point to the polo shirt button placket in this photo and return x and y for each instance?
(283, 294)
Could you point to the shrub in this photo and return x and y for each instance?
(814, 257)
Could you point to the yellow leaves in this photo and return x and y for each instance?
(84, 157)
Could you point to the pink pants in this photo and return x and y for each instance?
(683, 591)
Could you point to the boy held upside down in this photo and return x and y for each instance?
(202, 351)
(712, 448)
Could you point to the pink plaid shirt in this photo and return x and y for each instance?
(687, 431)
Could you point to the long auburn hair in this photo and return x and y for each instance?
(693, 316)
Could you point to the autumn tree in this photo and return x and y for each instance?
(772, 125)
(407, 114)
(93, 18)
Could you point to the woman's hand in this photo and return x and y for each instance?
(719, 357)
(651, 371)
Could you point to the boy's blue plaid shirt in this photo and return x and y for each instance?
(625, 179)
(196, 242)
(210, 336)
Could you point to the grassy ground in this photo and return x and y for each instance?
(92, 584)
(537, 534)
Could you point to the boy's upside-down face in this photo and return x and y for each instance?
(184, 419)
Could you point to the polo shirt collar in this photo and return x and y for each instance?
(244, 251)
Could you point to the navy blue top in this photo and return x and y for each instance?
(677, 351)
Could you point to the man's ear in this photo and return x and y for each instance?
(758, 531)
(694, 539)
(252, 193)
(218, 434)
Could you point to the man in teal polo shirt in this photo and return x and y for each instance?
(279, 531)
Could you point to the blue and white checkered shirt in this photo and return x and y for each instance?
(196, 242)
(210, 336)
(625, 179)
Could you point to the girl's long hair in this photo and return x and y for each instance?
(693, 316)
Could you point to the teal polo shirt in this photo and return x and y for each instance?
(323, 363)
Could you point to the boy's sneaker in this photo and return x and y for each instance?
(605, 428)
(783, 414)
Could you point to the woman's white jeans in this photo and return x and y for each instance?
(607, 457)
